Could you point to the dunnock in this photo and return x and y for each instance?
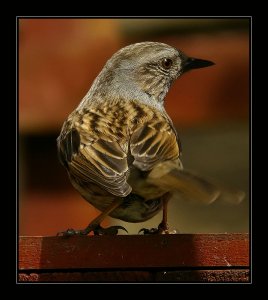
(119, 146)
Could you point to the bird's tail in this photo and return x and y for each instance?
(191, 186)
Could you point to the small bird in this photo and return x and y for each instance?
(120, 147)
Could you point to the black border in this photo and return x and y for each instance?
(135, 17)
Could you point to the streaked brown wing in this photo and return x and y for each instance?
(100, 161)
(153, 143)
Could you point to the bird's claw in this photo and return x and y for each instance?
(113, 230)
(71, 232)
(96, 229)
(162, 229)
(149, 231)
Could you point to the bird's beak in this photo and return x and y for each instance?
(195, 63)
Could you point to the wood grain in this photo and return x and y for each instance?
(134, 251)
(140, 276)
(134, 258)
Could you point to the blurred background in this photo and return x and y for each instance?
(58, 61)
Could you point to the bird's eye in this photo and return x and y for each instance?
(167, 63)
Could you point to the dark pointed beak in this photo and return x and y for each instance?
(195, 63)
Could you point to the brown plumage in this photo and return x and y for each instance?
(119, 146)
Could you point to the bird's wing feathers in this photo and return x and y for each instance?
(153, 143)
(96, 156)
(98, 160)
(68, 146)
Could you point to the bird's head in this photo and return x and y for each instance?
(148, 68)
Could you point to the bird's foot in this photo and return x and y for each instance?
(149, 231)
(95, 228)
(71, 232)
(113, 230)
(162, 229)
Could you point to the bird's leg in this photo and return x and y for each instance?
(95, 224)
(163, 226)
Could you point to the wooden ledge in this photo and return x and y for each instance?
(149, 258)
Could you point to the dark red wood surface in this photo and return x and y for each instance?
(232, 275)
(180, 257)
(134, 251)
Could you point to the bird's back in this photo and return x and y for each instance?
(106, 145)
